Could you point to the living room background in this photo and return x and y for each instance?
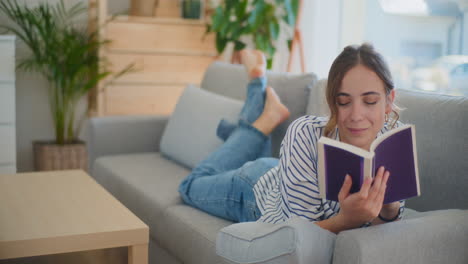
(327, 26)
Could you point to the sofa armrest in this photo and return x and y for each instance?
(124, 134)
(437, 237)
(295, 241)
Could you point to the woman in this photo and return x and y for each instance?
(240, 183)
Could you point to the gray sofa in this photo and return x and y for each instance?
(126, 158)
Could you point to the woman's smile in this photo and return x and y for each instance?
(357, 131)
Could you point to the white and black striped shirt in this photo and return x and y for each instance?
(291, 188)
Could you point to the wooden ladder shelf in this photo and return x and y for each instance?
(167, 53)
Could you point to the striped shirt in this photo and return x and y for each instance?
(291, 188)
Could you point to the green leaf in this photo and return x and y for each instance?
(274, 28)
(220, 43)
(217, 18)
(269, 63)
(241, 8)
(239, 45)
(291, 8)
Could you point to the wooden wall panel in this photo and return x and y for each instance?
(168, 53)
(182, 38)
(160, 68)
(131, 99)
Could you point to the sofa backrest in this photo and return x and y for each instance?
(442, 143)
(441, 128)
(293, 89)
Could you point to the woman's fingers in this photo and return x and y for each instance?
(375, 188)
(364, 192)
(344, 191)
(383, 188)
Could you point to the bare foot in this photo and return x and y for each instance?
(254, 62)
(273, 114)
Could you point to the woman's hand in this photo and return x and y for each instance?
(359, 208)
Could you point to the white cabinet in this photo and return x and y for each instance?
(7, 105)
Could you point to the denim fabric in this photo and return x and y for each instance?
(223, 183)
(252, 109)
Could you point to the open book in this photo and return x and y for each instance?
(395, 150)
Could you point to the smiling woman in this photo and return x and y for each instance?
(240, 181)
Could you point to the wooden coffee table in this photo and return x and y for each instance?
(65, 211)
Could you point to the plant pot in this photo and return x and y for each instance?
(191, 9)
(50, 156)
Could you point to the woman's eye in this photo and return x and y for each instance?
(342, 103)
(371, 103)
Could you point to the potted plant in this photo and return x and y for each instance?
(67, 56)
(258, 19)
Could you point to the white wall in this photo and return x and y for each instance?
(33, 117)
(353, 24)
(320, 28)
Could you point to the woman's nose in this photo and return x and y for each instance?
(357, 112)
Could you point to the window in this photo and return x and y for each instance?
(424, 41)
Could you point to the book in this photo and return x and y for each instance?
(395, 150)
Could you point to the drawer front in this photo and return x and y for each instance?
(7, 67)
(7, 144)
(7, 168)
(7, 45)
(7, 103)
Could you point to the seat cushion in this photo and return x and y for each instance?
(191, 234)
(147, 183)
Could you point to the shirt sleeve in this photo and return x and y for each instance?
(298, 171)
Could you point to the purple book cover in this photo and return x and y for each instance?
(395, 150)
(396, 155)
(339, 162)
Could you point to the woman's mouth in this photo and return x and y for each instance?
(357, 131)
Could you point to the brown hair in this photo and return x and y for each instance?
(351, 56)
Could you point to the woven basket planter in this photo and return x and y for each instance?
(51, 156)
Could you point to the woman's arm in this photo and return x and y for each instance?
(389, 211)
(297, 171)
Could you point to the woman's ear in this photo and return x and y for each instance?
(390, 100)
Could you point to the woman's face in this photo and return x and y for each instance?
(362, 104)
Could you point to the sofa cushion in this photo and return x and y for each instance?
(295, 241)
(293, 89)
(317, 103)
(190, 135)
(432, 237)
(144, 182)
(147, 183)
(190, 234)
(441, 135)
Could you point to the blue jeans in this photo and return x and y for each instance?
(222, 184)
